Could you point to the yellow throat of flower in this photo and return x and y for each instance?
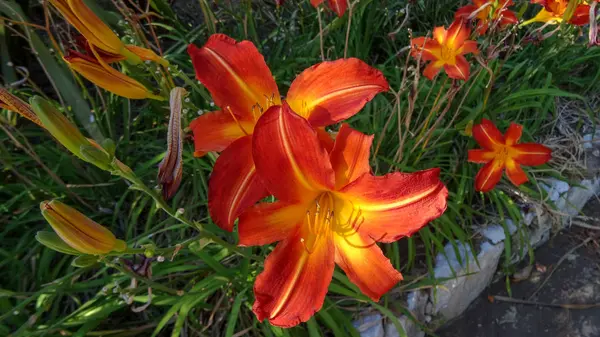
(448, 55)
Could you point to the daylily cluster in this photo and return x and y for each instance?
(447, 47)
(556, 11)
(488, 13)
(330, 209)
(102, 47)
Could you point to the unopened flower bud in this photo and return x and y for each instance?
(54, 242)
(78, 231)
(67, 134)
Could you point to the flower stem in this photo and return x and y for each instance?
(125, 172)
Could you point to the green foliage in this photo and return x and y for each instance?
(205, 287)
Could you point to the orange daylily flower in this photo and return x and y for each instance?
(502, 151)
(338, 6)
(101, 74)
(242, 86)
(446, 50)
(488, 12)
(80, 16)
(554, 12)
(330, 210)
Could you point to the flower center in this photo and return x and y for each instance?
(448, 55)
(502, 154)
(329, 215)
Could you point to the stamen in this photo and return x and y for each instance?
(352, 225)
(305, 247)
(367, 246)
(236, 120)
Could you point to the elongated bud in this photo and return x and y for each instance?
(11, 102)
(78, 231)
(67, 134)
(54, 242)
(170, 168)
(107, 77)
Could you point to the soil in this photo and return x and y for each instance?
(575, 281)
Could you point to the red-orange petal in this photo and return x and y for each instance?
(423, 48)
(481, 156)
(234, 185)
(289, 158)
(581, 16)
(508, 18)
(487, 135)
(236, 75)
(470, 47)
(295, 280)
(365, 265)
(431, 70)
(266, 223)
(459, 71)
(325, 138)
(332, 91)
(350, 155)
(488, 176)
(531, 154)
(464, 12)
(482, 28)
(214, 131)
(513, 134)
(389, 207)
(457, 34)
(515, 173)
(316, 3)
(338, 6)
(439, 34)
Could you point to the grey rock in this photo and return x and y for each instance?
(496, 234)
(370, 325)
(591, 140)
(555, 188)
(452, 297)
(579, 196)
(410, 328)
(528, 217)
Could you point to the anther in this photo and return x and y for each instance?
(305, 247)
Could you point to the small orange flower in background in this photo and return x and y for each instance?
(446, 50)
(338, 6)
(555, 10)
(242, 86)
(502, 151)
(487, 13)
(330, 210)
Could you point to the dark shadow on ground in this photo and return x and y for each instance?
(576, 281)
